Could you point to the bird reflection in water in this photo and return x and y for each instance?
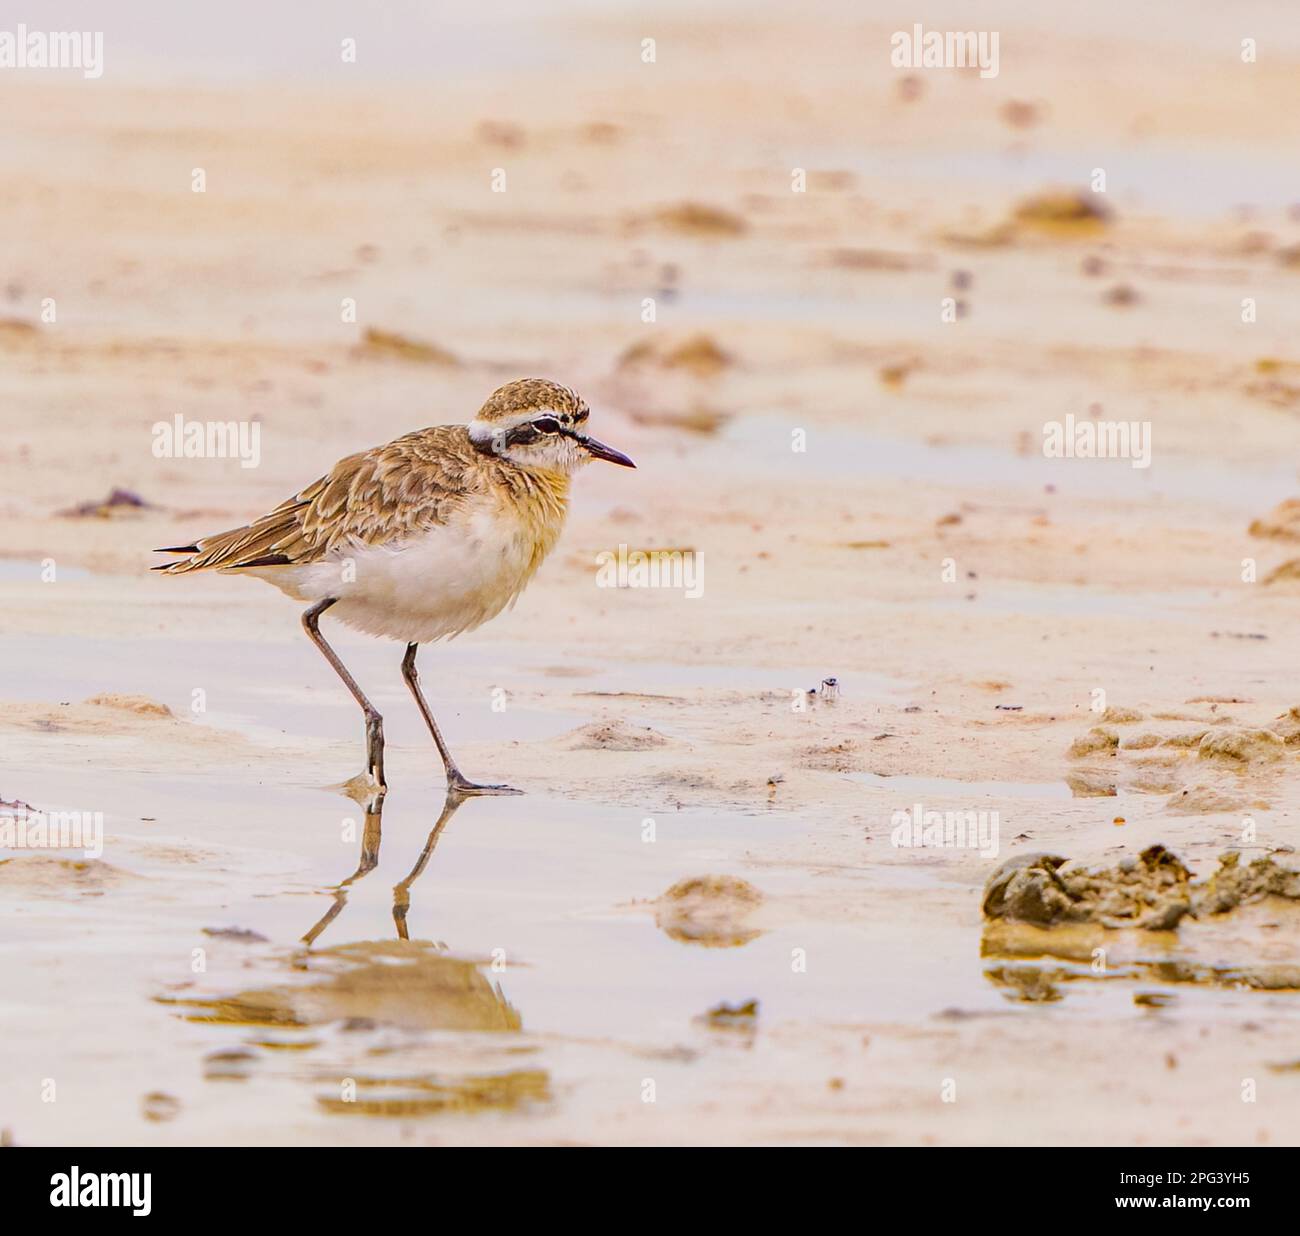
(370, 838)
(372, 987)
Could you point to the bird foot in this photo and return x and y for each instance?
(458, 784)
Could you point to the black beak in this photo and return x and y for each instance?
(598, 450)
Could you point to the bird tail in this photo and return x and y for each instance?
(253, 545)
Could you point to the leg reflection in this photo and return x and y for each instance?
(369, 859)
(402, 891)
(370, 837)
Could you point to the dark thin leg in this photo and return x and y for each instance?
(455, 779)
(374, 722)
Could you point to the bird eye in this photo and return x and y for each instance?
(547, 424)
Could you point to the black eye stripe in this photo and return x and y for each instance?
(521, 435)
(542, 426)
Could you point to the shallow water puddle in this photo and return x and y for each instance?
(764, 443)
(247, 947)
(264, 932)
(292, 956)
(545, 889)
(263, 690)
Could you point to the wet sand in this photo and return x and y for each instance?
(546, 993)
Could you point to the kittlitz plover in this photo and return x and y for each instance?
(421, 539)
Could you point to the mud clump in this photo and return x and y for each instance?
(1287, 573)
(1151, 891)
(1241, 746)
(1154, 781)
(1121, 295)
(1096, 740)
(1233, 885)
(1063, 214)
(1282, 523)
(1021, 114)
(1288, 727)
(17, 328)
(726, 1016)
(45, 875)
(697, 219)
(1140, 742)
(119, 502)
(389, 344)
(141, 705)
(709, 910)
(157, 1105)
(1192, 739)
(1088, 783)
(878, 259)
(242, 934)
(1203, 800)
(699, 419)
(500, 133)
(698, 354)
(1024, 888)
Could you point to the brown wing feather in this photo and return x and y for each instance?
(371, 498)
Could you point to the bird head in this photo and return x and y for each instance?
(534, 423)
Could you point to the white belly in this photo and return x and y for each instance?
(448, 580)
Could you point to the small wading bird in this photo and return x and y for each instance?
(421, 539)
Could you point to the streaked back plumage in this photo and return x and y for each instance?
(415, 483)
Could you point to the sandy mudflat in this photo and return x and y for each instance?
(971, 596)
